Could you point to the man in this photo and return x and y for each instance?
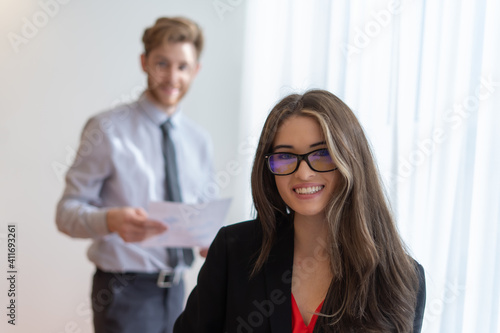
(131, 155)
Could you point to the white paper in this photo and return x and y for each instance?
(188, 224)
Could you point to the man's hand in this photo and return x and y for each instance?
(132, 224)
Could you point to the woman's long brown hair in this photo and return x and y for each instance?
(375, 282)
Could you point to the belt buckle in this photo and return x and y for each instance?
(168, 277)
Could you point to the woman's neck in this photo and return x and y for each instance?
(310, 235)
(311, 275)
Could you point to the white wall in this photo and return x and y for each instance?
(82, 60)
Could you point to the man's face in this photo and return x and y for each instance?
(171, 68)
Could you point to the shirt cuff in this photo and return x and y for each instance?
(97, 223)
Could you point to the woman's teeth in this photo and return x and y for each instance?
(308, 190)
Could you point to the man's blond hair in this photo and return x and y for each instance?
(173, 30)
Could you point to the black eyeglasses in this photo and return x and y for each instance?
(282, 164)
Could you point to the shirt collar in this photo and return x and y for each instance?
(154, 113)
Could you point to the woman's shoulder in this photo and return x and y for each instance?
(420, 271)
(421, 297)
(243, 230)
(253, 228)
(237, 241)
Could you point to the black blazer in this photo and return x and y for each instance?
(226, 300)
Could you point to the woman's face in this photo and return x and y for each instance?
(305, 191)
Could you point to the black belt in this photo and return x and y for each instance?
(165, 278)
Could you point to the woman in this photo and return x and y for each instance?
(323, 254)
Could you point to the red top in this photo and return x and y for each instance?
(298, 325)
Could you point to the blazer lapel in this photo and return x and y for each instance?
(278, 276)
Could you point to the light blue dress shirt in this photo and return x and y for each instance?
(120, 163)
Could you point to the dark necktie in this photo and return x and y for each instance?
(173, 193)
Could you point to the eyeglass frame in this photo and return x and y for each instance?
(300, 158)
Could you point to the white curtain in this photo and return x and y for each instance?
(424, 79)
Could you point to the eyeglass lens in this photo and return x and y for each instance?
(284, 163)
